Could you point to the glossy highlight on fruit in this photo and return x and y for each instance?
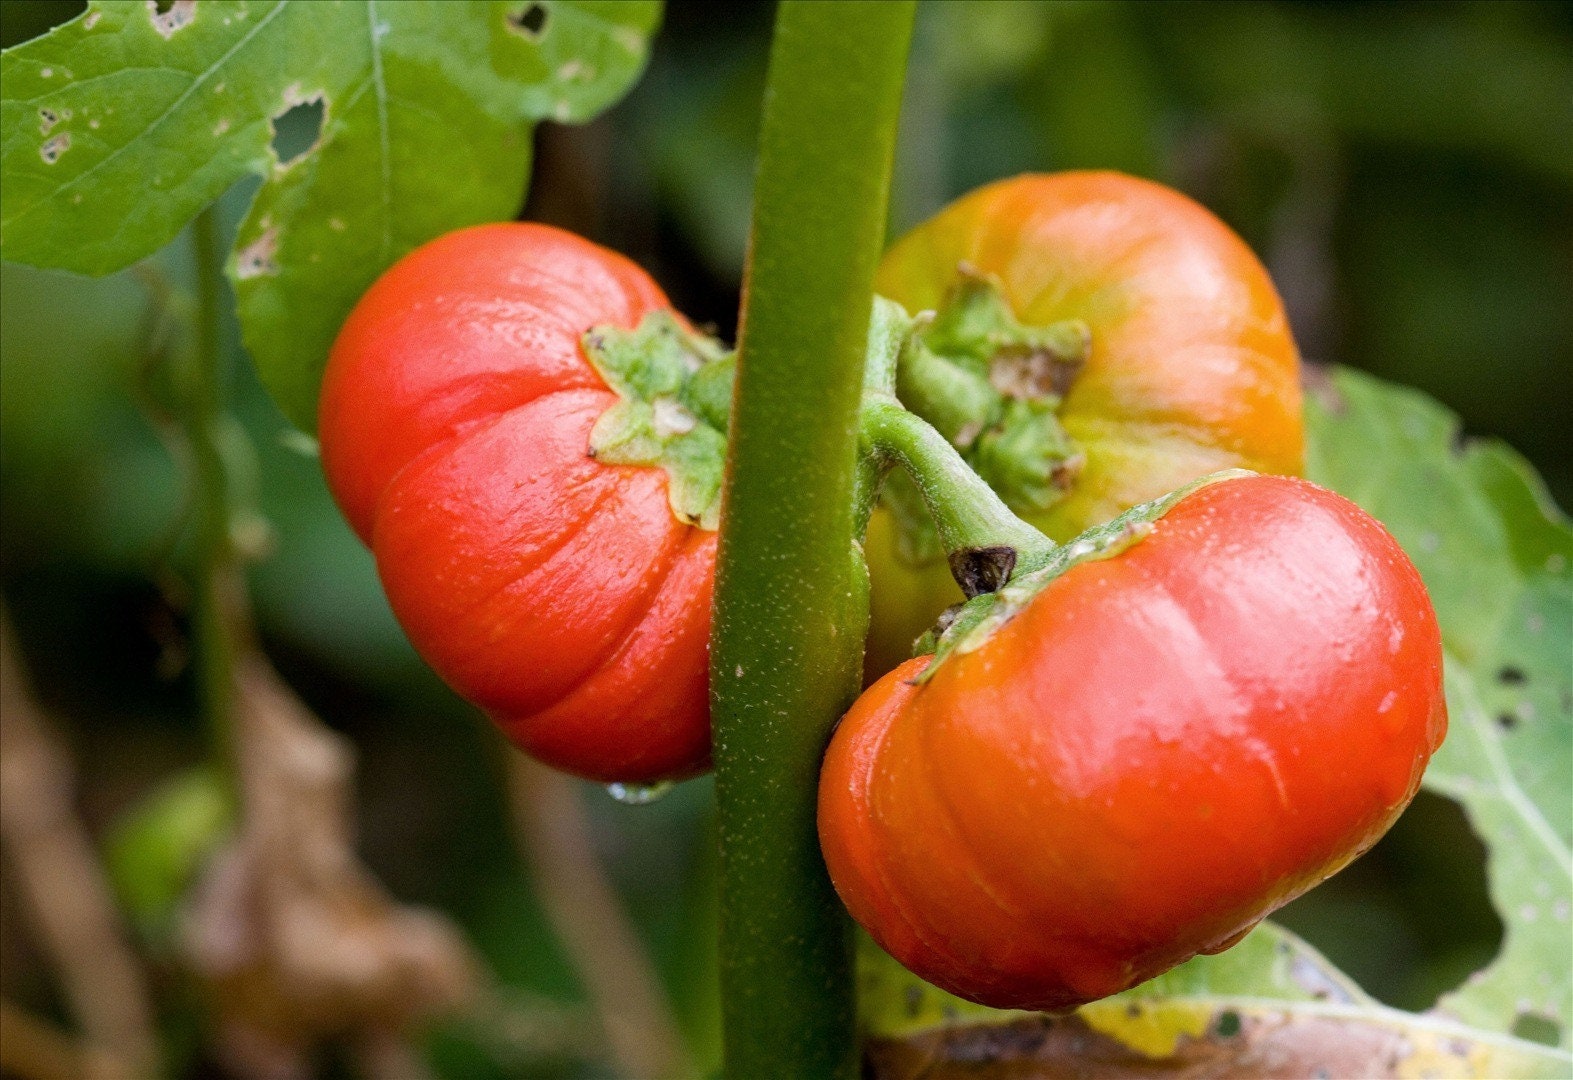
(1155, 752)
(1192, 367)
(559, 593)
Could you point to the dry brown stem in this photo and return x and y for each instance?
(63, 890)
(554, 836)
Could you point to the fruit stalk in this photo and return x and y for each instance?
(983, 540)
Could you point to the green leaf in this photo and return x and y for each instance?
(121, 125)
(1497, 558)
(1271, 1005)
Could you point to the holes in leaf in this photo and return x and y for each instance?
(1412, 918)
(530, 20)
(171, 15)
(296, 130)
(56, 146)
(256, 259)
(1537, 1028)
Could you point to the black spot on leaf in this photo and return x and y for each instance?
(530, 20)
(1511, 676)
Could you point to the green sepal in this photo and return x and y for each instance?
(976, 323)
(1027, 457)
(968, 626)
(992, 386)
(675, 391)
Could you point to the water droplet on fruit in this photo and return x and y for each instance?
(638, 794)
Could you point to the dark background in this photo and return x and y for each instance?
(1405, 170)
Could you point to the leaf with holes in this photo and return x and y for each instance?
(1270, 1006)
(121, 125)
(1497, 557)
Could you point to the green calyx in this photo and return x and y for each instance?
(993, 386)
(966, 627)
(675, 392)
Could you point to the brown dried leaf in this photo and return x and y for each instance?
(294, 938)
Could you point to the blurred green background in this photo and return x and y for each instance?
(1405, 171)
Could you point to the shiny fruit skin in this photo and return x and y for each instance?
(1192, 369)
(558, 593)
(1157, 751)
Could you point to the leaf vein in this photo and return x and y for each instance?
(1507, 784)
(381, 86)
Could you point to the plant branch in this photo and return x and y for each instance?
(201, 416)
(791, 603)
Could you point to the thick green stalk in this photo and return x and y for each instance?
(791, 593)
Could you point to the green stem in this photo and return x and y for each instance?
(958, 402)
(215, 576)
(791, 593)
(983, 539)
